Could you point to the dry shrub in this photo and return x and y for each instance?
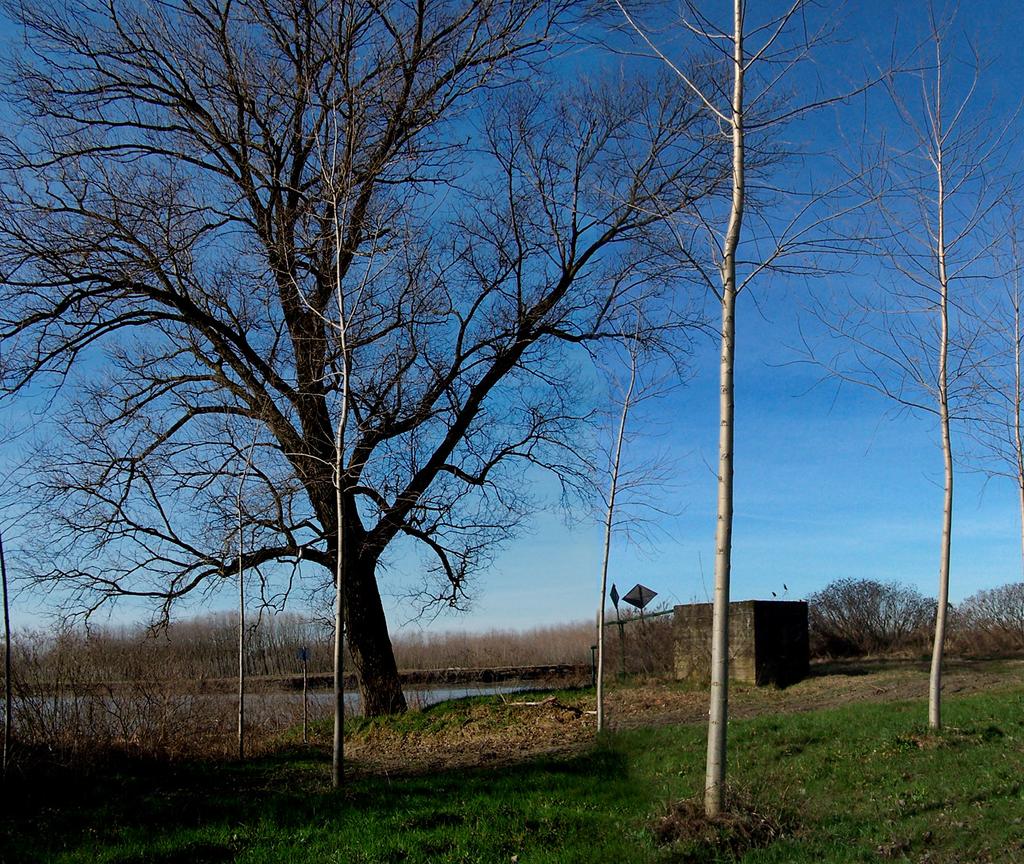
(855, 617)
(649, 645)
(67, 705)
(540, 646)
(747, 824)
(990, 622)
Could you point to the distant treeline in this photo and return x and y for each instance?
(206, 647)
(847, 618)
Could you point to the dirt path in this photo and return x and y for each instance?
(506, 732)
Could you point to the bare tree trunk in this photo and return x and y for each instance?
(935, 680)
(241, 647)
(380, 688)
(338, 744)
(8, 691)
(241, 605)
(1017, 438)
(305, 694)
(608, 525)
(718, 713)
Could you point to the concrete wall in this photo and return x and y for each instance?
(767, 641)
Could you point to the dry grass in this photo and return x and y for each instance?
(491, 731)
(751, 821)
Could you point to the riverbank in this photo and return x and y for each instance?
(855, 779)
(510, 728)
(545, 675)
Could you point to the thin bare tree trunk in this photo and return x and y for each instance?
(338, 744)
(305, 695)
(242, 609)
(608, 525)
(1017, 438)
(935, 680)
(718, 713)
(241, 644)
(338, 748)
(8, 690)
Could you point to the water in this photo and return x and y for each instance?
(416, 698)
(130, 714)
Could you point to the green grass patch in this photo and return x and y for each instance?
(864, 783)
(491, 710)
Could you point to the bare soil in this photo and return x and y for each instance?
(507, 731)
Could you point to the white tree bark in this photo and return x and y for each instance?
(938, 646)
(718, 712)
(241, 643)
(778, 45)
(1017, 437)
(338, 744)
(608, 526)
(933, 247)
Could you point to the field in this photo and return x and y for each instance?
(858, 781)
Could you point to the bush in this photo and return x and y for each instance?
(852, 617)
(991, 621)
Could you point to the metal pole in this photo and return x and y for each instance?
(305, 702)
(643, 642)
(622, 645)
(593, 665)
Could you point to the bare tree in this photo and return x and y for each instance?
(333, 162)
(609, 522)
(635, 493)
(919, 342)
(996, 428)
(751, 61)
(164, 216)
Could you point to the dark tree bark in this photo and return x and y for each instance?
(369, 642)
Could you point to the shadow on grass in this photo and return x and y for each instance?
(856, 666)
(130, 811)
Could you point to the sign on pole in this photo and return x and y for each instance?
(639, 596)
(615, 597)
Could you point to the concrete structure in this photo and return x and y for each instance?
(767, 641)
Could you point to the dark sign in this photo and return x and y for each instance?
(640, 595)
(303, 653)
(614, 594)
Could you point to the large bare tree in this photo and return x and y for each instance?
(173, 249)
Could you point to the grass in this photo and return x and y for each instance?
(451, 715)
(862, 783)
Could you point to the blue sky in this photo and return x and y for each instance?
(830, 482)
(828, 485)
